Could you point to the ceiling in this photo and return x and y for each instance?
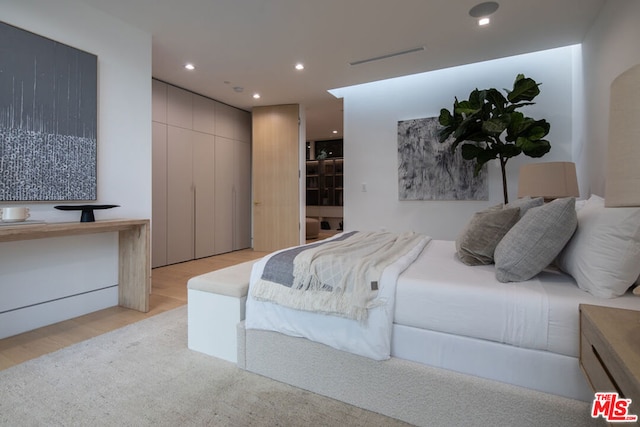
(254, 44)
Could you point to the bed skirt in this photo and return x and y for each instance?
(405, 390)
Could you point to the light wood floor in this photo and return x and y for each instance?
(169, 290)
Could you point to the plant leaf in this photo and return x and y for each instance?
(510, 150)
(445, 118)
(495, 126)
(536, 148)
(538, 129)
(524, 89)
(484, 157)
(497, 100)
(471, 151)
(465, 108)
(476, 99)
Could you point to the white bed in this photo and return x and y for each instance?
(438, 311)
(458, 317)
(461, 318)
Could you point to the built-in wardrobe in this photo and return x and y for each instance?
(201, 176)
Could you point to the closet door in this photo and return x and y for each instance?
(224, 194)
(159, 195)
(203, 180)
(242, 196)
(180, 200)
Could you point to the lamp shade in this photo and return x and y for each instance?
(623, 149)
(551, 180)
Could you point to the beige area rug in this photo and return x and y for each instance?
(144, 374)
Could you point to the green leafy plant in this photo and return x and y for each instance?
(489, 126)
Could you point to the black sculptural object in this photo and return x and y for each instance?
(87, 210)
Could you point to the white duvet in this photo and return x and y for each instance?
(370, 338)
(432, 290)
(439, 293)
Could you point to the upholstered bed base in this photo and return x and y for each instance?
(415, 393)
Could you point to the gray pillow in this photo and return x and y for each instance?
(525, 203)
(535, 240)
(478, 240)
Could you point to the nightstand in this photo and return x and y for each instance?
(610, 351)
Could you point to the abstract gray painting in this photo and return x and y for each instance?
(429, 170)
(48, 119)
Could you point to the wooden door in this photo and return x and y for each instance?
(276, 198)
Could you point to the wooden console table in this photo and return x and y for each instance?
(134, 260)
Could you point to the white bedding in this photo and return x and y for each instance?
(440, 293)
(436, 292)
(370, 338)
(457, 317)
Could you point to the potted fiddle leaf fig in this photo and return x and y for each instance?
(489, 126)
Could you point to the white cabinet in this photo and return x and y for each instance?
(232, 182)
(180, 202)
(201, 180)
(159, 194)
(242, 203)
(204, 114)
(179, 107)
(204, 195)
(224, 189)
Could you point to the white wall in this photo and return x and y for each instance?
(47, 269)
(611, 47)
(371, 114)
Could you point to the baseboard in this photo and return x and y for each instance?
(35, 316)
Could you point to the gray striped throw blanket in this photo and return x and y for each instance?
(337, 277)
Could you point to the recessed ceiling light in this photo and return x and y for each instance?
(335, 131)
(482, 11)
(299, 66)
(256, 96)
(189, 66)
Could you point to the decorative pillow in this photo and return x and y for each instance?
(604, 254)
(478, 240)
(525, 203)
(535, 240)
(580, 204)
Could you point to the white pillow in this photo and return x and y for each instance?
(603, 256)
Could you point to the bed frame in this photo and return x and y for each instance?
(405, 390)
(402, 389)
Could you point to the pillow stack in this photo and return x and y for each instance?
(598, 246)
(478, 240)
(604, 254)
